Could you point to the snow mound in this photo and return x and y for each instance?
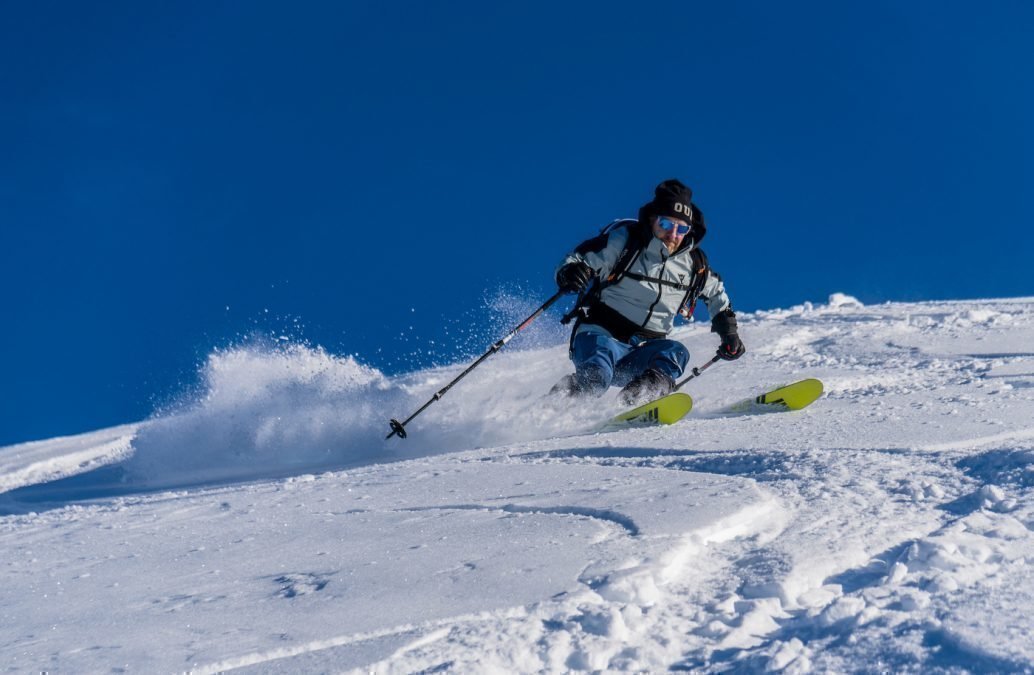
(837, 300)
(43, 461)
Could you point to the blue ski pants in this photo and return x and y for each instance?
(601, 361)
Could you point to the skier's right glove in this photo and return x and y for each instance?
(574, 277)
(724, 323)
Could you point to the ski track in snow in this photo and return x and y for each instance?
(268, 527)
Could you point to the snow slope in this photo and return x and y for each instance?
(267, 526)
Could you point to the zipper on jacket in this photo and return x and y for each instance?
(660, 292)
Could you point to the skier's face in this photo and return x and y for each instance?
(670, 235)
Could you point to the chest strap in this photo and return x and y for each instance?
(653, 280)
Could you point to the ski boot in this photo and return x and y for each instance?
(648, 386)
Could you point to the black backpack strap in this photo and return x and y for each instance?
(654, 280)
(701, 270)
(638, 238)
(635, 243)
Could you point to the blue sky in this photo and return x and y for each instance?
(176, 175)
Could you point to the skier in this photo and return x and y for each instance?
(632, 280)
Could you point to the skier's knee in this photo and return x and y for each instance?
(680, 354)
(676, 353)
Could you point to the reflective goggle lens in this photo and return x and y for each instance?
(671, 224)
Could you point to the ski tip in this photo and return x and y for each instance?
(793, 396)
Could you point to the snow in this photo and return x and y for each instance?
(265, 524)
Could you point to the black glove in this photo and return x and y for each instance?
(574, 277)
(725, 325)
(731, 348)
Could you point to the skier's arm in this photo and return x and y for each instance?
(599, 253)
(723, 319)
(714, 294)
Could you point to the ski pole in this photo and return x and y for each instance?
(400, 427)
(697, 371)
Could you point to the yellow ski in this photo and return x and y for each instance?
(673, 407)
(665, 410)
(790, 397)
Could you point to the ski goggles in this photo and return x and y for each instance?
(669, 225)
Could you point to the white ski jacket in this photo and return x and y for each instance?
(652, 290)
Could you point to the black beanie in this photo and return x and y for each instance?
(671, 198)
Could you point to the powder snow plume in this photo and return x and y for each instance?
(266, 412)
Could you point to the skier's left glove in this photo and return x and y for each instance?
(731, 348)
(724, 323)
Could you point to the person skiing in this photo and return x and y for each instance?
(632, 279)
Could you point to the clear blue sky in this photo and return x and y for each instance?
(176, 174)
